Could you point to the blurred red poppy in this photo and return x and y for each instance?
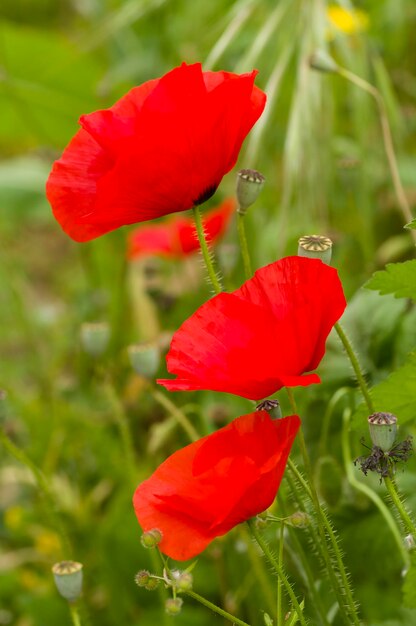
(163, 148)
(263, 336)
(210, 486)
(177, 237)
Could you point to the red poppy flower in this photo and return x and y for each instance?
(164, 147)
(177, 236)
(263, 336)
(207, 488)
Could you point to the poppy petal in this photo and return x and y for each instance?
(161, 149)
(208, 487)
(263, 336)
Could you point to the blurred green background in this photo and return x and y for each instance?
(320, 147)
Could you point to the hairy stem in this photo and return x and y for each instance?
(216, 609)
(215, 281)
(278, 569)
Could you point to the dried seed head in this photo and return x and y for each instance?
(144, 359)
(249, 185)
(68, 579)
(95, 337)
(315, 247)
(383, 430)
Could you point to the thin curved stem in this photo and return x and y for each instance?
(215, 281)
(179, 415)
(243, 245)
(404, 515)
(356, 366)
(278, 569)
(387, 140)
(280, 616)
(216, 609)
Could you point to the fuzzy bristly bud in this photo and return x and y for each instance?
(249, 185)
(144, 359)
(323, 62)
(272, 407)
(95, 337)
(383, 430)
(142, 578)
(173, 606)
(152, 584)
(298, 519)
(315, 247)
(183, 581)
(68, 579)
(151, 538)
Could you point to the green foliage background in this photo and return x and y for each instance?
(320, 148)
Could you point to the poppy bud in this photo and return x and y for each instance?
(144, 359)
(152, 584)
(272, 407)
(323, 62)
(95, 337)
(298, 519)
(151, 538)
(249, 185)
(183, 581)
(383, 430)
(68, 579)
(173, 606)
(315, 247)
(142, 578)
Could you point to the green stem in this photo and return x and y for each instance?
(243, 245)
(387, 139)
(259, 572)
(325, 527)
(205, 251)
(180, 417)
(216, 609)
(278, 569)
(404, 515)
(356, 366)
(280, 616)
(74, 615)
(305, 568)
(43, 486)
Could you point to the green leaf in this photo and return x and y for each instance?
(411, 224)
(395, 395)
(398, 279)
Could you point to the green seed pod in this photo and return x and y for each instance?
(320, 60)
(68, 579)
(315, 247)
(173, 606)
(144, 359)
(95, 337)
(383, 430)
(151, 538)
(249, 185)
